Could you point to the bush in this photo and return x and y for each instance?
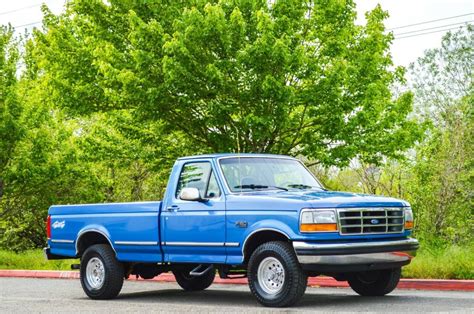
(32, 259)
(438, 262)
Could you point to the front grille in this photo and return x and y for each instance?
(370, 220)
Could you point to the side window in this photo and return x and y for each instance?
(213, 188)
(198, 175)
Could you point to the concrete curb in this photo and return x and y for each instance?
(417, 284)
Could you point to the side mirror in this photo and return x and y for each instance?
(191, 194)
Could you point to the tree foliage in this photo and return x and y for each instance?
(111, 92)
(443, 182)
(10, 127)
(438, 176)
(39, 155)
(294, 77)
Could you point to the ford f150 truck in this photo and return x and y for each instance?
(265, 217)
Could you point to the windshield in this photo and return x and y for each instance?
(258, 173)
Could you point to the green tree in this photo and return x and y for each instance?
(442, 185)
(133, 158)
(39, 154)
(443, 76)
(10, 110)
(294, 77)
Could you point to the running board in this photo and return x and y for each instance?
(198, 270)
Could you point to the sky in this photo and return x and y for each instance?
(27, 14)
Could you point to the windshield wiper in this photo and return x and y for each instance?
(259, 186)
(304, 186)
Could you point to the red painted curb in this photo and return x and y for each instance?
(417, 284)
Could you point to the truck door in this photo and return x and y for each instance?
(194, 231)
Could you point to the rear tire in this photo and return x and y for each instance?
(275, 276)
(376, 282)
(194, 283)
(101, 274)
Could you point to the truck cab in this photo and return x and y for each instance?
(260, 216)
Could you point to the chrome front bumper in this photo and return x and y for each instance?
(356, 255)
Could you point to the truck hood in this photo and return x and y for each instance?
(325, 199)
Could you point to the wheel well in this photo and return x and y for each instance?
(90, 238)
(259, 238)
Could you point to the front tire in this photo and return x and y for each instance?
(376, 282)
(194, 283)
(275, 276)
(101, 274)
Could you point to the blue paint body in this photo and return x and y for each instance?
(140, 232)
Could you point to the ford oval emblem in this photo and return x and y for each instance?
(374, 221)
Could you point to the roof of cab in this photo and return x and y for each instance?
(219, 155)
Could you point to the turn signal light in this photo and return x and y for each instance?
(318, 227)
(408, 224)
(408, 218)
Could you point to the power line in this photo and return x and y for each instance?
(20, 9)
(431, 21)
(28, 24)
(441, 30)
(430, 28)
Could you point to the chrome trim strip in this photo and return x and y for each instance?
(61, 241)
(227, 244)
(232, 244)
(355, 259)
(306, 245)
(135, 243)
(194, 243)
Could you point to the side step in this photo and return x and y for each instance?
(200, 270)
(226, 273)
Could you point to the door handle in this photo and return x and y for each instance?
(172, 208)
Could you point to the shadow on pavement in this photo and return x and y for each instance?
(245, 298)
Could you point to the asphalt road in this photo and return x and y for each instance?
(65, 296)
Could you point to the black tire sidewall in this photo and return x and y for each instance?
(386, 282)
(254, 275)
(293, 275)
(113, 272)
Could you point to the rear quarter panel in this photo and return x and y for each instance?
(131, 228)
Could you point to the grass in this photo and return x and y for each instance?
(33, 259)
(452, 262)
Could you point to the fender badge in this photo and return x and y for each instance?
(58, 224)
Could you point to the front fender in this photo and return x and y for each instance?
(269, 224)
(235, 254)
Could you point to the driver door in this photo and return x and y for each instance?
(195, 230)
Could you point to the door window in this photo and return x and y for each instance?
(199, 175)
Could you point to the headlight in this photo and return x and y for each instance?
(408, 218)
(318, 220)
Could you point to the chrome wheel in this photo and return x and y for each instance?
(95, 273)
(271, 275)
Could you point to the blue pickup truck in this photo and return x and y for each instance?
(264, 217)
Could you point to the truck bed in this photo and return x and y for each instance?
(132, 229)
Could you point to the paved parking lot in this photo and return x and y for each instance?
(66, 295)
